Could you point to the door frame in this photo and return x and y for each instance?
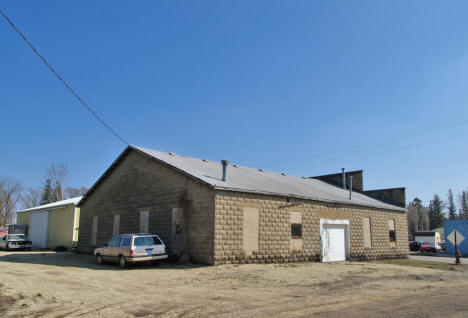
(323, 224)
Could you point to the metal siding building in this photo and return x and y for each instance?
(52, 225)
(461, 226)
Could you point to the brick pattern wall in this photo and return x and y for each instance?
(140, 183)
(275, 231)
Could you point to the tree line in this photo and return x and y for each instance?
(13, 195)
(425, 218)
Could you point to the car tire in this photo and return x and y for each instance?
(122, 262)
(99, 259)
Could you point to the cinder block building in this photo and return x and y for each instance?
(223, 213)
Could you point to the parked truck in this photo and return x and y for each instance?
(18, 229)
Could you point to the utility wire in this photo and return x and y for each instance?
(60, 78)
(391, 150)
(395, 139)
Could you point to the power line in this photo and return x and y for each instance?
(391, 150)
(60, 78)
(395, 139)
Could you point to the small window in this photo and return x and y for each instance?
(296, 230)
(126, 242)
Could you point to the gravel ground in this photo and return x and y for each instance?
(36, 284)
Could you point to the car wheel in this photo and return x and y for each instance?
(99, 259)
(122, 262)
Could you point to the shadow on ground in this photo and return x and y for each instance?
(69, 259)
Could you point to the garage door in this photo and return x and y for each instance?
(38, 229)
(334, 242)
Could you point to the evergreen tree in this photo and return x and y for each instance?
(47, 193)
(463, 200)
(451, 206)
(436, 216)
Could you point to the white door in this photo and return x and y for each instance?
(334, 242)
(39, 228)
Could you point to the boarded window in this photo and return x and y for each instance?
(391, 233)
(366, 229)
(250, 230)
(144, 221)
(116, 225)
(94, 230)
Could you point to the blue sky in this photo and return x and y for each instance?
(278, 85)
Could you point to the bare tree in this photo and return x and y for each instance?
(57, 174)
(31, 198)
(10, 194)
(71, 192)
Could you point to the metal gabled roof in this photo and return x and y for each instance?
(244, 179)
(54, 205)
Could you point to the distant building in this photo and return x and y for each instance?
(222, 213)
(461, 228)
(51, 225)
(441, 231)
(432, 237)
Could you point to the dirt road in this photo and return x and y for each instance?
(61, 285)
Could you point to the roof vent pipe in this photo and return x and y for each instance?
(225, 164)
(350, 186)
(343, 177)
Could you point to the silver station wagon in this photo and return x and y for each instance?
(132, 248)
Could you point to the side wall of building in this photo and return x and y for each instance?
(274, 229)
(181, 210)
(61, 227)
(23, 218)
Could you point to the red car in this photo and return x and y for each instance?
(429, 247)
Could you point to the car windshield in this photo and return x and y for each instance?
(146, 240)
(16, 237)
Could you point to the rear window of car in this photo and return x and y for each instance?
(126, 242)
(146, 240)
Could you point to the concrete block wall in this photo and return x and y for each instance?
(140, 183)
(275, 231)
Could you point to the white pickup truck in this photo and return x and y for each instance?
(15, 241)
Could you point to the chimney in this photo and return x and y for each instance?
(343, 177)
(225, 164)
(350, 186)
